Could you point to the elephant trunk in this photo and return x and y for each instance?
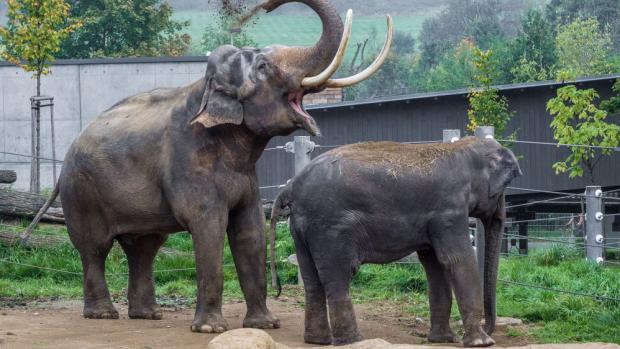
(307, 61)
(493, 228)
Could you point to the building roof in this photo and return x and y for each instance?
(462, 92)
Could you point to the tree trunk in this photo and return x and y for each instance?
(35, 167)
(26, 205)
(7, 176)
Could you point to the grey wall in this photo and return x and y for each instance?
(82, 89)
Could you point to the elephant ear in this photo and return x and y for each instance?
(504, 168)
(218, 108)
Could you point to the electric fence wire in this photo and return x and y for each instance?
(558, 144)
(580, 244)
(541, 201)
(607, 298)
(589, 295)
(29, 156)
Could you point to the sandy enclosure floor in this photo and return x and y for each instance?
(59, 324)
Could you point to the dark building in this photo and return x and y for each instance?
(423, 117)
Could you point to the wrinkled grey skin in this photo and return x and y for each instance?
(184, 159)
(346, 212)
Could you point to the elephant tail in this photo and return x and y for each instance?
(281, 202)
(26, 234)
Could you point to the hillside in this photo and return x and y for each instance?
(364, 7)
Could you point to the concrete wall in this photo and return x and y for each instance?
(82, 89)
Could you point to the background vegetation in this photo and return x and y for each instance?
(551, 316)
(531, 40)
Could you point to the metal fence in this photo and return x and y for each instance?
(582, 231)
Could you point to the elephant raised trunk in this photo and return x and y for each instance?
(308, 61)
(312, 64)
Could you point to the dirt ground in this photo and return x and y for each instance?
(59, 324)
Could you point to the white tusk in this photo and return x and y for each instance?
(359, 77)
(320, 79)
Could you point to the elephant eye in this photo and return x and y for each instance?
(262, 67)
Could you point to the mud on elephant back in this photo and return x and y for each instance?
(377, 203)
(188, 157)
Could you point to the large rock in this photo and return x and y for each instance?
(248, 338)
(244, 338)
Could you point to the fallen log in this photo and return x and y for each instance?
(10, 238)
(7, 176)
(26, 205)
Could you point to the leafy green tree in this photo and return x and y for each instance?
(31, 39)
(225, 31)
(583, 49)
(533, 49)
(121, 28)
(529, 71)
(577, 120)
(33, 34)
(612, 105)
(486, 106)
(455, 70)
(607, 12)
(485, 22)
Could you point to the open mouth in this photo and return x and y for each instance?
(295, 99)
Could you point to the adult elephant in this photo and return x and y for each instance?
(184, 159)
(379, 202)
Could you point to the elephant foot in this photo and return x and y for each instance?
(442, 336)
(100, 313)
(477, 339)
(212, 323)
(263, 321)
(348, 339)
(151, 313)
(318, 338)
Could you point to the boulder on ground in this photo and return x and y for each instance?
(248, 338)
(244, 338)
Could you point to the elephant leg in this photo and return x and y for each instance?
(141, 252)
(247, 242)
(317, 330)
(336, 266)
(440, 298)
(97, 302)
(208, 232)
(456, 255)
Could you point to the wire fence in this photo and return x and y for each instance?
(547, 230)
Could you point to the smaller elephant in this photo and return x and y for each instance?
(378, 202)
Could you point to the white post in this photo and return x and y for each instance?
(302, 147)
(451, 136)
(482, 132)
(595, 236)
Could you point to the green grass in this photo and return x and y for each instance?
(550, 316)
(301, 30)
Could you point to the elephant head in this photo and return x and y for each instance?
(263, 88)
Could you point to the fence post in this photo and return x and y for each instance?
(302, 147)
(482, 132)
(451, 136)
(594, 224)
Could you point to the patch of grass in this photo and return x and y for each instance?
(551, 316)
